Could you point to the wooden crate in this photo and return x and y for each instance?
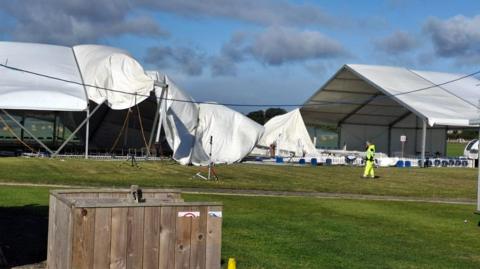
(105, 229)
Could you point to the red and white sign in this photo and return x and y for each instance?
(189, 214)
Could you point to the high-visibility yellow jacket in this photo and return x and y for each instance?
(370, 154)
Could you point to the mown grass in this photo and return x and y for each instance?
(455, 149)
(418, 182)
(283, 233)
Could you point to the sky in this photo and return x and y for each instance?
(269, 52)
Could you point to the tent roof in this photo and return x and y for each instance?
(289, 132)
(55, 75)
(384, 95)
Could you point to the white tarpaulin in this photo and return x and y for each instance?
(22, 90)
(179, 117)
(54, 79)
(233, 135)
(289, 133)
(112, 68)
(188, 128)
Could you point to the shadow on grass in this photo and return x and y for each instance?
(23, 234)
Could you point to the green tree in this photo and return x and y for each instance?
(258, 116)
(272, 112)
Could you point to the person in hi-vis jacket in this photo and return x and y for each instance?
(369, 161)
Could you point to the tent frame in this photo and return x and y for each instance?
(158, 115)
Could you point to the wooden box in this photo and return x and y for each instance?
(107, 229)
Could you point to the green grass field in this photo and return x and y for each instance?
(275, 232)
(310, 233)
(455, 149)
(432, 182)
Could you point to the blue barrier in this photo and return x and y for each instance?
(279, 159)
(328, 162)
(399, 163)
(314, 162)
(301, 161)
(408, 164)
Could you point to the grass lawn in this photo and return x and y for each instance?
(455, 149)
(430, 182)
(308, 233)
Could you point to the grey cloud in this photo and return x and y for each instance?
(188, 60)
(264, 12)
(77, 21)
(457, 37)
(275, 46)
(223, 66)
(397, 43)
(279, 45)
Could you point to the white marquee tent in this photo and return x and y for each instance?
(381, 103)
(54, 78)
(289, 133)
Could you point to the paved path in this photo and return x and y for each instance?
(263, 193)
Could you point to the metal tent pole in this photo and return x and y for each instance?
(424, 140)
(478, 178)
(27, 131)
(162, 115)
(155, 121)
(78, 129)
(87, 132)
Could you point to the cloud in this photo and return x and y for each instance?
(397, 43)
(76, 21)
(279, 45)
(263, 12)
(190, 61)
(274, 47)
(457, 37)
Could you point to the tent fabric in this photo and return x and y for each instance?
(188, 127)
(60, 73)
(22, 90)
(233, 135)
(179, 119)
(289, 133)
(360, 94)
(112, 68)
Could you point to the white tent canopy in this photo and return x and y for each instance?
(289, 133)
(381, 103)
(21, 90)
(55, 75)
(57, 78)
(189, 127)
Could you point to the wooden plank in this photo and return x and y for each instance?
(167, 238)
(51, 230)
(89, 203)
(118, 249)
(135, 221)
(103, 221)
(182, 243)
(63, 236)
(83, 238)
(214, 238)
(151, 237)
(197, 239)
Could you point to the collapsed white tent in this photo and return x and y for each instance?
(56, 78)
(189, 128)
(288, 133)
(381, 103)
